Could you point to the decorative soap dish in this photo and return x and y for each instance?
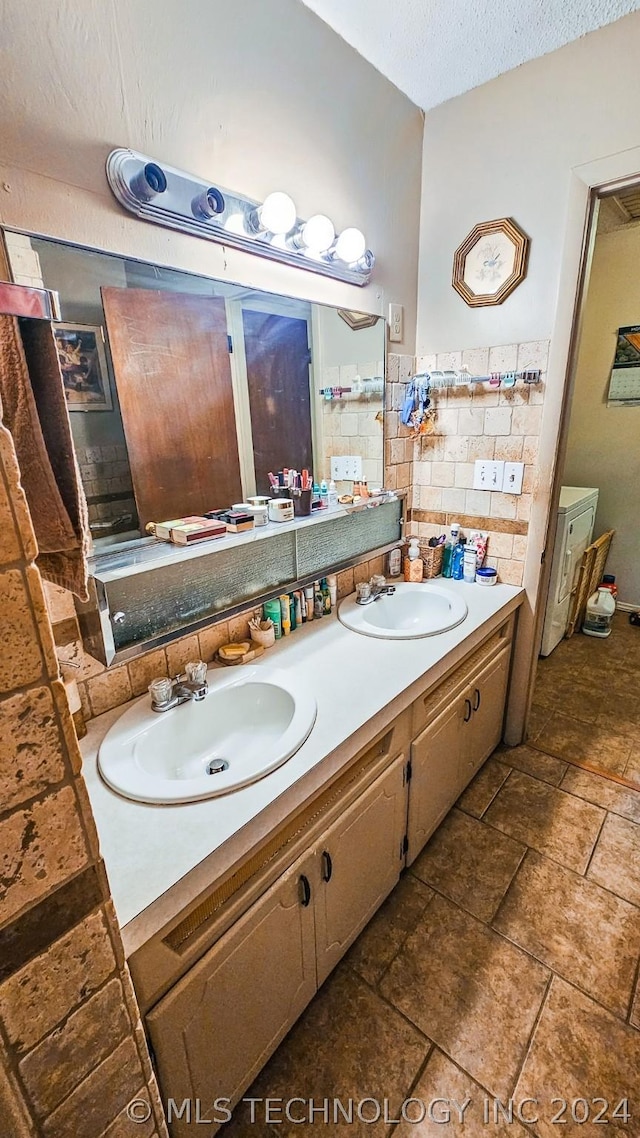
(241, 652)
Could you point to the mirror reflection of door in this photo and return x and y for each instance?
(277, 358)
(171, 358)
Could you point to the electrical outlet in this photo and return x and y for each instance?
(346, 467)
(396, 322)
(513, 475)
(488, 474)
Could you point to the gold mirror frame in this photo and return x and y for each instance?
(507, 227)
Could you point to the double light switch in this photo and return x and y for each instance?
(504, 477)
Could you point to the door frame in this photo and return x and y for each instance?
(587, 183)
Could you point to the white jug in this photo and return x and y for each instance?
(601, 607)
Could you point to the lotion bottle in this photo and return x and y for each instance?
(413, 563)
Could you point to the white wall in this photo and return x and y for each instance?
(507, 149)
(604, 442)
(253, 95)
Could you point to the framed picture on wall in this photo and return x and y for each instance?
(490, 263)
(84, 366)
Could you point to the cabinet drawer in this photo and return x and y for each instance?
(429, 706)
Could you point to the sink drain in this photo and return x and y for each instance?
(217, 766)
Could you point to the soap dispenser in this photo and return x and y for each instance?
(413, 563)
(457, 560)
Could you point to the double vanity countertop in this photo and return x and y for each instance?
(159, 858)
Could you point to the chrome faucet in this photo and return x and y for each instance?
(168, 693)
(374, 592)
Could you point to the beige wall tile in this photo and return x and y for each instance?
(510, 572)
(533, 354)
(524, 507)
(391, 423)
(104, 1093)
(503, 357)
(239, 627)
(464, 473)
(514, 396)
(39, 607)
(447, 421)
(210, 639)
(449, 361)
(453, 500)
(180, 652)
(519, 547)
(145, 669)
(109, 689)
(422, 473)
(530, 449)
(41, 846)
(21, 513)
(430, 498)
(481, 446)
(21, 660)
(10, 544)
(497, 421)
(345, 583)
(40, 995)
(503, 506)
(31, 753)
(443, 473)
(471, 421)
(477, 502)
(59, 602)
(508, 448)
(456, 448)
(476, 360)
(500, 545)
(426, 363)
(403, 475)
(526, 420)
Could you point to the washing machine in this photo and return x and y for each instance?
(574, 532)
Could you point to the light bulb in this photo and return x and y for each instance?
(350, 245)
(317, 234)
(277, 214)
(235, 224)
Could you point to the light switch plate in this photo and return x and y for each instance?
(488, 474)
(396, 322)
(346, 467)
(513, 476)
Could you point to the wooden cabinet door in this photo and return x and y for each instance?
(436, 778)
(482, 733)
(359, 861)
(218, 1026)
(170, 355)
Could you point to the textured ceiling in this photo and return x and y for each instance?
(435, 49)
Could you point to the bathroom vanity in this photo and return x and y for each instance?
(235, 910)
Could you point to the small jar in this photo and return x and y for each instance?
(486, 576)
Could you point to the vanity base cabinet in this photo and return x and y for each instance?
(217, 1027)
(453, 746)
(360, 858)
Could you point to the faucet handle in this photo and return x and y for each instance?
(161, 690)
(196, 671)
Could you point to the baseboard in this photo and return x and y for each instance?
(623, 606)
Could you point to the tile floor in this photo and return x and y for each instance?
(504, 964)
(586, 706)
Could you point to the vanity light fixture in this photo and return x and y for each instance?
(173, 198)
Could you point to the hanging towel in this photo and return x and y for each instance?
(34, 410)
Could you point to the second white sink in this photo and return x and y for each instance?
(251, 721)
(414, 610)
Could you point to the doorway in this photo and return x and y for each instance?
(584, 711)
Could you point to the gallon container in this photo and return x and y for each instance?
(600, 609)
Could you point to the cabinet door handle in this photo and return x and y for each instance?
(327, 866)
(476, 699)
(468, 710)
(305, 891)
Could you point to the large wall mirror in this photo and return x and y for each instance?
(184, 392)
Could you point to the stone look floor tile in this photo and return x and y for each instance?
(579, 1050)
(442, 1079)
(348, 1045)
(579, 930)
(472, 864)
(603, 792)
(616, 860)
(535, 763)
(557, 824)
(582, 742)
(539, 716)
(634, 1018)
(482, 790)
(376, 947)
(470, 991)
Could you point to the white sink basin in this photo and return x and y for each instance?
(414, 610)
(251, 721)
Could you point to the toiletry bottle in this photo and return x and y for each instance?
(324, 495)
(450, 545)
(333, 495)
(309, 601)
(364, 489)
(272, 611)
(332, 582)
(285, 611)
(326, 596)
(413, 563)
(292, 611)
(318, 600)
(394, 566)
(469, 563)
(297, 596)
(457, 560)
